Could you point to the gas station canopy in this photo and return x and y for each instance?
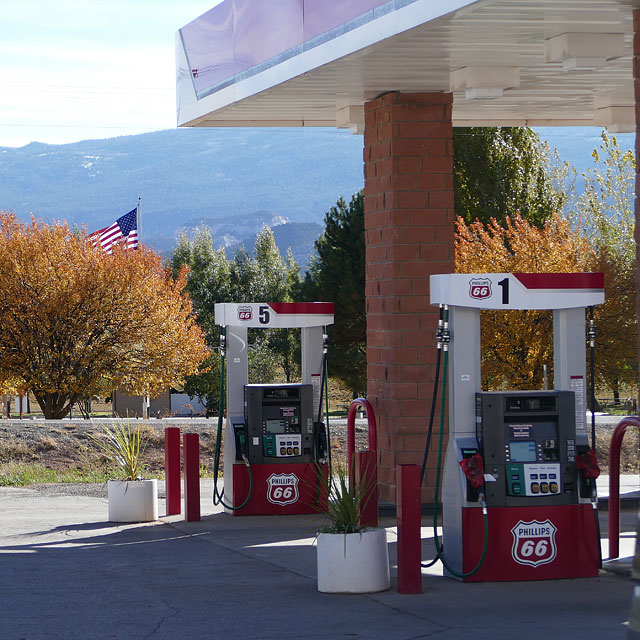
(316, 62)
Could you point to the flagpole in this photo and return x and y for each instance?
(145, 398)
(139, 220)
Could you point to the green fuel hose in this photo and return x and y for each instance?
(325, 373)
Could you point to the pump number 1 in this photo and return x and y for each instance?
(504, 285)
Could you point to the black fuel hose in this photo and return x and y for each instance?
(218, 496)
(434, 399)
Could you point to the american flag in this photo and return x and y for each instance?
(124, 230)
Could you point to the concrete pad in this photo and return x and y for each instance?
(66, 573)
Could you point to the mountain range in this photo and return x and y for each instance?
(231, 180)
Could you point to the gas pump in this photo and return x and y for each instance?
(519, 498)
(275, 442)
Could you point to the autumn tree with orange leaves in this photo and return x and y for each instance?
(73, 318)
(516, 344)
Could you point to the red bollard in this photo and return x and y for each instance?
(366, 471)
(191, 449)
(409, 542)
(172, 469)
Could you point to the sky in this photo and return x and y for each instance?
(75, 70)
(81, 69)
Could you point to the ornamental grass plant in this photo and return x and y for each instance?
(125, 445)
(345, 501)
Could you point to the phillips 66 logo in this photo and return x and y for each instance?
(245, 313)
(282, 488)
(480, 288)
(534, 543)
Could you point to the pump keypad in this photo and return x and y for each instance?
(535, 479)
(284, 445)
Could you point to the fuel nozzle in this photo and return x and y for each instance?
(443, 335)
(223, 342)
(591, 332)
(440, 328)
(242, 441)
(325, 343)
(473, 469)
(588, 463)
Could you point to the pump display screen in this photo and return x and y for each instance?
(281, 393)
(523, 451)
(275, 426)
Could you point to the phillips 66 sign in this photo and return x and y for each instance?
(282, 488)
(480, 288)
(534, 543)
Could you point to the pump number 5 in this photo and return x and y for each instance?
(263, 314)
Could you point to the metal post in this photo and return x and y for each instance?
(463, 383)
(172, 469)
(372, 428)
(614, 483)
(311, 363)
(191, 452)
(409, 546)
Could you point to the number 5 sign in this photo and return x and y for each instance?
(274, 314)
(534, 543)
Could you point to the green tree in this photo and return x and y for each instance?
(265, 276)
(206, 385)
(268, 277)
(502, 171)
(209, 278)
(337, 274)
(604, 211)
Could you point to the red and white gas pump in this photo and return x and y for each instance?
(275, 444)
(526, 453)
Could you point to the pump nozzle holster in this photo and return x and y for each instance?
(473, 469)
(588, 463)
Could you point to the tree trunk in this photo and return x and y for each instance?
(55, 406)
(615, 386)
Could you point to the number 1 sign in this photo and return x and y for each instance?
(518, 290)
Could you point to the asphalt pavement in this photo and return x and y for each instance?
(67, 573)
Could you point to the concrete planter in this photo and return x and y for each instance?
(353, 562)
(133, 500)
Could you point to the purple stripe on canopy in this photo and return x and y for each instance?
(237, 35)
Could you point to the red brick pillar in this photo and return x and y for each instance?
(636, 85)
(408, 154)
